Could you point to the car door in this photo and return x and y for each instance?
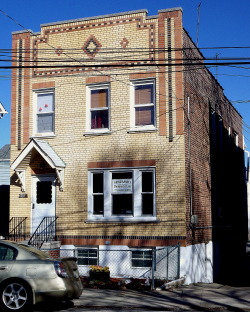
(7, 256)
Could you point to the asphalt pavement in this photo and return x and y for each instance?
(199, 297)
(195, 297)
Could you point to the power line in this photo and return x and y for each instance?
(139, 64)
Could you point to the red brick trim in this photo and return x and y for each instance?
(142, 75)
(120, 164)
(131, 242)
(26, 96)
(162, 76)
(20, 96)
(179, 80)
(43, 85)
(14, 93)
(97, 79)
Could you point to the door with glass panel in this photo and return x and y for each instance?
(43, 199)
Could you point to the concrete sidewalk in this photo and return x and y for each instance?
(192, 297)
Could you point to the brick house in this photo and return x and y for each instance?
(122, 138)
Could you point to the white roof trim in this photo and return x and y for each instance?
(48, 154)
(21, 178)
(44, 149)
(2, 110)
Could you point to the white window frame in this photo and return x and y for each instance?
(235, 137)
(35, 114)
(141, 250)
(87, 248)
(137, 215)
(89, 88)
(133, 107)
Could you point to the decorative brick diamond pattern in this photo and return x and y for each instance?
(59, 51)
(124, 43)
(91, 46)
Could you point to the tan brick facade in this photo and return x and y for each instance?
(121, 42)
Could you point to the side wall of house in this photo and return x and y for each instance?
(218, 196)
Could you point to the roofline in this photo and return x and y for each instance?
(99, 17)
(210, 73)
(95, 17)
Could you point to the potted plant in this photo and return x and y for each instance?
(99, 273)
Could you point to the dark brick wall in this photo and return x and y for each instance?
(218, 189)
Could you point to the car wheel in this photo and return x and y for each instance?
(15, 296)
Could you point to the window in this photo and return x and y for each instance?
(122, 194)
(44, 109)
(98, 103)
(141, 258)
(7, 253)
(235, 138)
(143, 104)
(87, 256)
(44, 192)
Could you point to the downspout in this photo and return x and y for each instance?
(247, 166)
(189, 162)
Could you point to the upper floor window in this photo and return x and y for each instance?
(143, 104)
(45, 111)
(98, 106)
(122, 194)
(235, 138)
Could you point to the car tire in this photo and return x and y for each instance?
(15, 295)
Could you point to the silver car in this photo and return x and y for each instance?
(29, 276)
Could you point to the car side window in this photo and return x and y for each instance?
(7, 253)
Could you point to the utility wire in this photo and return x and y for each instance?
(124, 65)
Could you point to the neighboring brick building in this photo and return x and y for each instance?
(4, 188)
(120, 136)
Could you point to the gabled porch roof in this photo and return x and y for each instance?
(48, 154)
(2, 110)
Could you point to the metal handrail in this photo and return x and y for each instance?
(46, 231)
(17, 228)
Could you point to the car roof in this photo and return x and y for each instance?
(25, 251)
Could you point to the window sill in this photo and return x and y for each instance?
(104, 132)
(45, 135)
(142, 129)
(122, 219)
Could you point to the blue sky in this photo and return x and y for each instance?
(222, 23)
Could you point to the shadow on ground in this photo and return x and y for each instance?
(53, 306)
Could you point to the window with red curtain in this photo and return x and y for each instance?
(99, 108)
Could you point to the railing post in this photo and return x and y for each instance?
(153, 269)
(167, 268)
(178, 261)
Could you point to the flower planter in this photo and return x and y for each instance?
(99, 276)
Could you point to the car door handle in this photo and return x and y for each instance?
(3, 268)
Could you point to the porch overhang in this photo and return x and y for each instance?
(43, 148)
